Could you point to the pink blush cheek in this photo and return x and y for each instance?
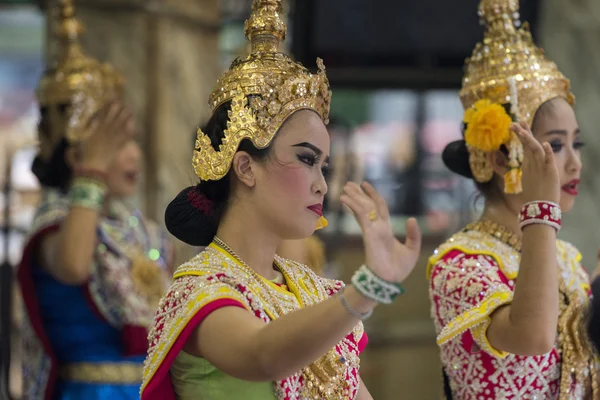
(293, 182)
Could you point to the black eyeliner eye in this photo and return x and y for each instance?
(309, 160)
(578, 145)
(556, 147)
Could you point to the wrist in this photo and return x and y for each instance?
(94, 165)
(540, 213)
(357, 301)
(374, 287)
(91, 172)
(87, 193)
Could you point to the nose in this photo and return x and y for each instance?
(320, 186)
(573, 165)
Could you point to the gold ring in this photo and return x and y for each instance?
(372, 215)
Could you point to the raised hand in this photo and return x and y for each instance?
(109, 129)
(540, 174)
(385, 254)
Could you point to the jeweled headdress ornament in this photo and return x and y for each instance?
(507, 78)
(80, 83)
(264, 88)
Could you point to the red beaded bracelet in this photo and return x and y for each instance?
(541, 212)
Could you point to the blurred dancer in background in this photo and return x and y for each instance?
(93, 268)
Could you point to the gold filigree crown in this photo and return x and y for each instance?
(507, 68)
(264, 88)
(77, 81)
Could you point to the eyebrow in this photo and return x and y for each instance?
(561, 132)
(314, 148)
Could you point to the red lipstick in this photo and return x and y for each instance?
(571, 187)
(317, 209)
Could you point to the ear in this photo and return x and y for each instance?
(242, 166)
(499, 162)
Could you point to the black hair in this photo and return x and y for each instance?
(456, 158)
(54, 172)
(447, 387)
(196, 222)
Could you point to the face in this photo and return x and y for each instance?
(557, 125)
(123, 173)
(290, 184)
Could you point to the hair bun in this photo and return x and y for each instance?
(190, 217)
(456, 158)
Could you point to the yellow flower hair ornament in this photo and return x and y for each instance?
(487, 126)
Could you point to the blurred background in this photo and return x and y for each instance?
(395, 68)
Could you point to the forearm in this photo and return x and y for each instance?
(77, 243)
(294, 341)
(534, 309)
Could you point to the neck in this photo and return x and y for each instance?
(255, 246)
(504, 212)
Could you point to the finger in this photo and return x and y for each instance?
(117, 125)
(119, 131)
(354, 191)
(549, 153)
(413, 235)
(113, 109)
(356, 209)
(92, 124)
(530, 144)
(98, 116)
(130, 127)
(525, 126)
(382, 207)
(107, 119)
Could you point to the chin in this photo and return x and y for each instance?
(300, 231)
(567, 202)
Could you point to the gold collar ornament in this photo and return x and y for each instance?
(264, 88)
(76, 81)
(505, 70)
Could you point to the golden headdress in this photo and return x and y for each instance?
(264, 88)
(80, 83)
(506, 71)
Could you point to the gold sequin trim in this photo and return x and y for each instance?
(123, 373)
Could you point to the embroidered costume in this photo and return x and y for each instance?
(90, 341)
(215, 279)
(474, 273)
(87, 341)
(471, 276)
(264, 89)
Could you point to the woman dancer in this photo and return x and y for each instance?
(240, 322)
(93, 268)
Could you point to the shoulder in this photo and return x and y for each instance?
(208, 267)
(569, 262)
(52, 210)
(203, 280)
(475, 249)
(308, 277)
(567, 251)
